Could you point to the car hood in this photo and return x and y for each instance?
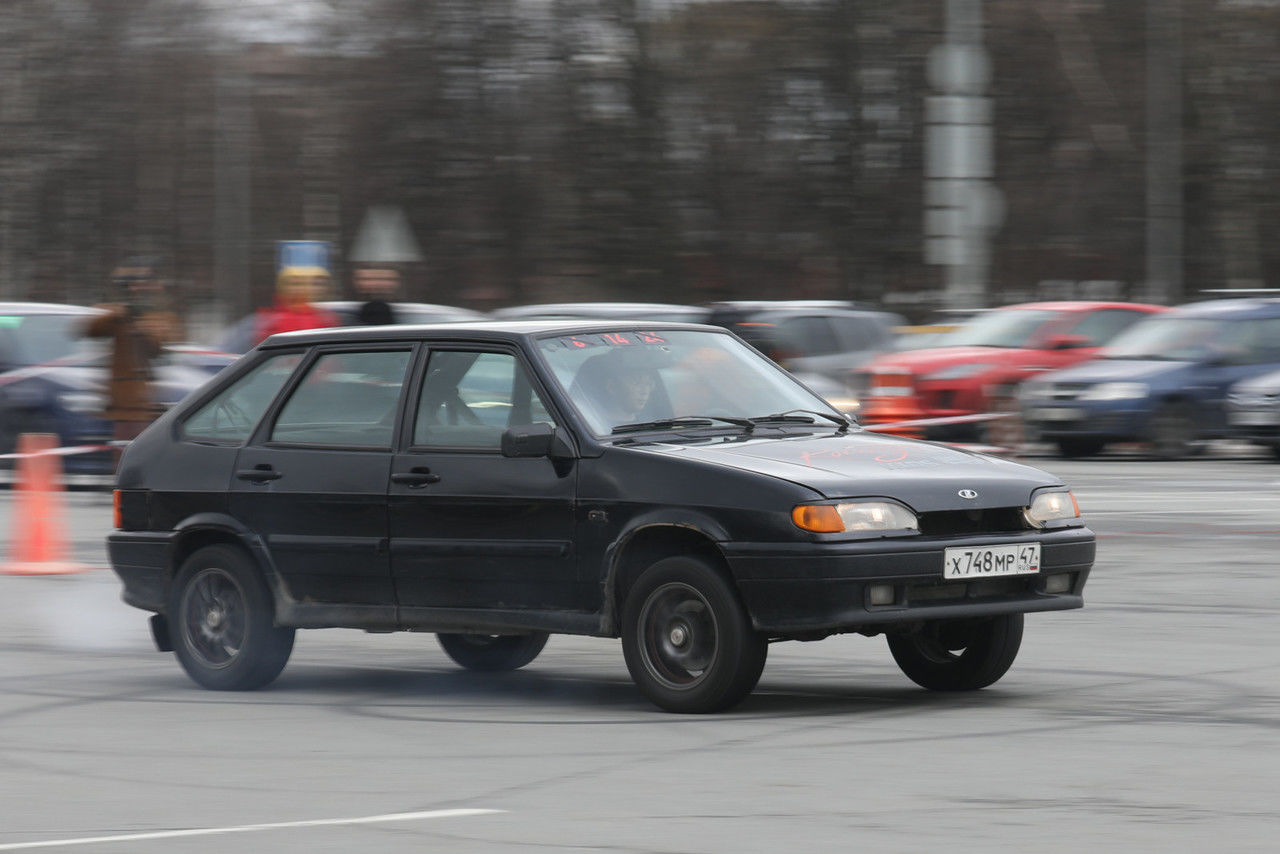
(922, 362)
(1118, 370)
(923, 475)
(1265, 384)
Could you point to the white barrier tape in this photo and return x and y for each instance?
(948, 419)
(61, 452)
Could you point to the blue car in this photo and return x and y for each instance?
(53, 381)
(1164, 382)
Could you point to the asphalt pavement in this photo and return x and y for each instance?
(1145, 722)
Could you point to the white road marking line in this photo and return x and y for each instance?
(246, 828)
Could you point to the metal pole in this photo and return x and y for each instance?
(1164, 153)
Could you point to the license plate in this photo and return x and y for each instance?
(991, 561)
(1057, 413)
(1247, 417)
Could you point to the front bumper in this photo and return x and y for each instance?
(1062, 420)
(806, 587)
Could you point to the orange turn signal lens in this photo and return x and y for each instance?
(819, 518)
(117, 515)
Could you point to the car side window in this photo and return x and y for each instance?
(1268, 347)
(1101, 326)
(346, 399)
(469, 398)
(861, 333)
(808, 336)
(235, 411)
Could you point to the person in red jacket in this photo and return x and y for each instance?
(294, 309)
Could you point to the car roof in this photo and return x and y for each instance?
(352, 305)
(482, 330)
(44, 308)
(1229, 308)
(596, 309)
(1080, 305)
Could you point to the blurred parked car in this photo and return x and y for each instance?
(1253, 411)
(242, 335)
(54, 380)
(637, 311)
(1164, 382)
(823, 342)
(987, 357)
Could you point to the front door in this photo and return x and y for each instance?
(471, 528)
(313, 482)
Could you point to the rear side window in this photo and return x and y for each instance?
(232, 415)
(346, 399)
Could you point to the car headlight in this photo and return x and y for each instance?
(854, 516)
(1115, 391)
(1034, 391)
(959, 372)
(82, 402)
(1047, 507)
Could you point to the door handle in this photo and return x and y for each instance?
(259, 475)
(415, 478)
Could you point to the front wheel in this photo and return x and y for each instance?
(1171, 432)
(220, 612)
(687, 640)
(958, 655)
(492, 652)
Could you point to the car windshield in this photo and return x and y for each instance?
(1168, 338)
(1010, 328)
(675, 379)
(32, 339)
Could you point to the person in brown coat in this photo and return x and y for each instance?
(139, 325)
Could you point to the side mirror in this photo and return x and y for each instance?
(534, 440)
(1068, 342)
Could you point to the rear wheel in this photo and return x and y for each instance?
(492, 652)
(958, 655)
(687, 640)
(1080, 447)
(221, 618)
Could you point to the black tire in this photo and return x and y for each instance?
(1171, 432)
(220, 618)
(958, 655)
(687, 640)
(1072, 448)
(492, 652)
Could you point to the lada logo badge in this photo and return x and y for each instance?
(967, 493)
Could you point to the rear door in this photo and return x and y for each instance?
(313, 482)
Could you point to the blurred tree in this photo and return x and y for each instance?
(617, 149)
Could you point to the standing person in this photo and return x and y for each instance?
(297, 288)
(139, 324)
(377, 286)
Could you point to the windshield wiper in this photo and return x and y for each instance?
(801, 416)
(683, 421)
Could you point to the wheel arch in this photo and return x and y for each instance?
(213, 529)
(644, 545)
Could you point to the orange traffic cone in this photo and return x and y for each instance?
(39, 544)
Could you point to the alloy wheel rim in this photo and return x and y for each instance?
(214, 618)
(679, 636)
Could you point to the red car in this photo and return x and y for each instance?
(986, 357)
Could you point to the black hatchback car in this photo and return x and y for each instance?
(497, 482)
